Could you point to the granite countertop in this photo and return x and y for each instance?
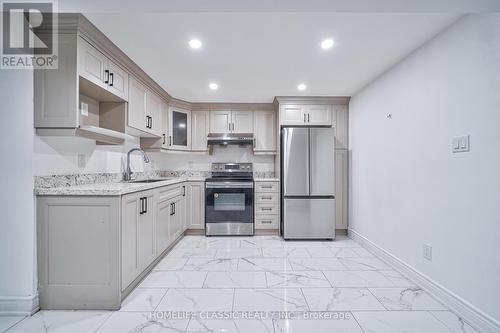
(112, 188)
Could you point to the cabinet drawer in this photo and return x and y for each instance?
(262, 198)
(266, 222)
(168, 192)
(266, 187)
(267, 209)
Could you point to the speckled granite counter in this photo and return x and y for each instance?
(112, 188)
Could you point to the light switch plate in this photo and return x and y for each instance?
(84, 109)
(427, 252)
(460, 144)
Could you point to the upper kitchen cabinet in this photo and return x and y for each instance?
(144, 110)
(199, 130)
(341, 116)
(101, 71)
(306, 115)
(264, 124)
(231, 121)
(179, 121)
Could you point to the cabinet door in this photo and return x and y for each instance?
(320, 115)
(92, 64)
(164, 120)
(341, 126)
(242, 122)
(220, 121)
(163, 212)
(293, 115)
(176, 221)
(137, 105)
(264, 131)
(341, 188)
(153, 109)
(130, 218)
(145, 231)
(199, 130)
(179, 129)
(118, 81)
(196, 205)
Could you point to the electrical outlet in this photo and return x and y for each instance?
(460, 144)
(427, 252)
(82, 161)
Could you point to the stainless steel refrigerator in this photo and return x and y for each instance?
(308, 183)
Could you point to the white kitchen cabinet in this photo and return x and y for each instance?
(267, 205)
(306, 115)
(225, 121)
(341, 188)
(137, 116)
(178, 213)
(199, 130)
(242, 121)
(195, 210)
(154, 111)
(319, 115)
(163, 213)
(179, 133)
(264, 131)
(341, 126)
(138, 247)
(95, 67)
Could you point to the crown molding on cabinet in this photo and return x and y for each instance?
(234, 106)
(333, 100)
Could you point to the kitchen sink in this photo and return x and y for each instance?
(145, 181)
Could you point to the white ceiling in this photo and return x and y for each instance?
(256, 56)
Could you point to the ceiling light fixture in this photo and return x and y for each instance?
(301, 87)
(195, 43)
(327, 43)
(213, 86)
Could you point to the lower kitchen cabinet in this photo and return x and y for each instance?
(341, 188)
(195, 209)
(94, 250)
(266, 205)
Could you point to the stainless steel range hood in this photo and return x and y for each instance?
(226, 139)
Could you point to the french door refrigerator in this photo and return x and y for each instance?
(308, 182)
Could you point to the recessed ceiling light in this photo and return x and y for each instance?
(213, 86)
(327, 43)
(195, 43)
(301, 86)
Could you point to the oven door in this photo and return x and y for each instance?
(227, 201)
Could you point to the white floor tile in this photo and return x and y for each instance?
(399, 321)
(9, 321)
(122, 322)
(363, 252)
(62, 322)
(238, 253)
(192, 253)
(316, 264)
(269, 300)
(364, 264)
(294, 252)
(343, 242)
(179, 279)
(170, 264)
(317, 326)
(235, 280)
(454, 323)
(296, 279)
(230, 326)
(406, 299)
(340, 299)
(197, 300)
(264, 264)
(358, 279)
(303, 244)
(397, 279)
(262, 243)
(143, 299)
(211, 264)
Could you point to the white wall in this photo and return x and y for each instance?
(408, 188)
(17, 223)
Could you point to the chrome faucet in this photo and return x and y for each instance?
(128, 173)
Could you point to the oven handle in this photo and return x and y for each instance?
(228, 185)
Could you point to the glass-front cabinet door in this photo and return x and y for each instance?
(180, 129)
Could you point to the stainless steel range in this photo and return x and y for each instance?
(229, 199)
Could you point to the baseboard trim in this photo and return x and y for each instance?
(194, 232)
(19, 305)
(471, 314)
(341, 232)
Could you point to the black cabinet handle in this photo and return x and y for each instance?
(107, 76)
(141, 203)
(183, 191)
(163, 138)
(171, 209)
(145, 205)
(147, 121)
(174, 208)
(150, 122)
(111, 79)
(170, 140)
(308, 117)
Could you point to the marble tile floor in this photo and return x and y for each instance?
(324, 286)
